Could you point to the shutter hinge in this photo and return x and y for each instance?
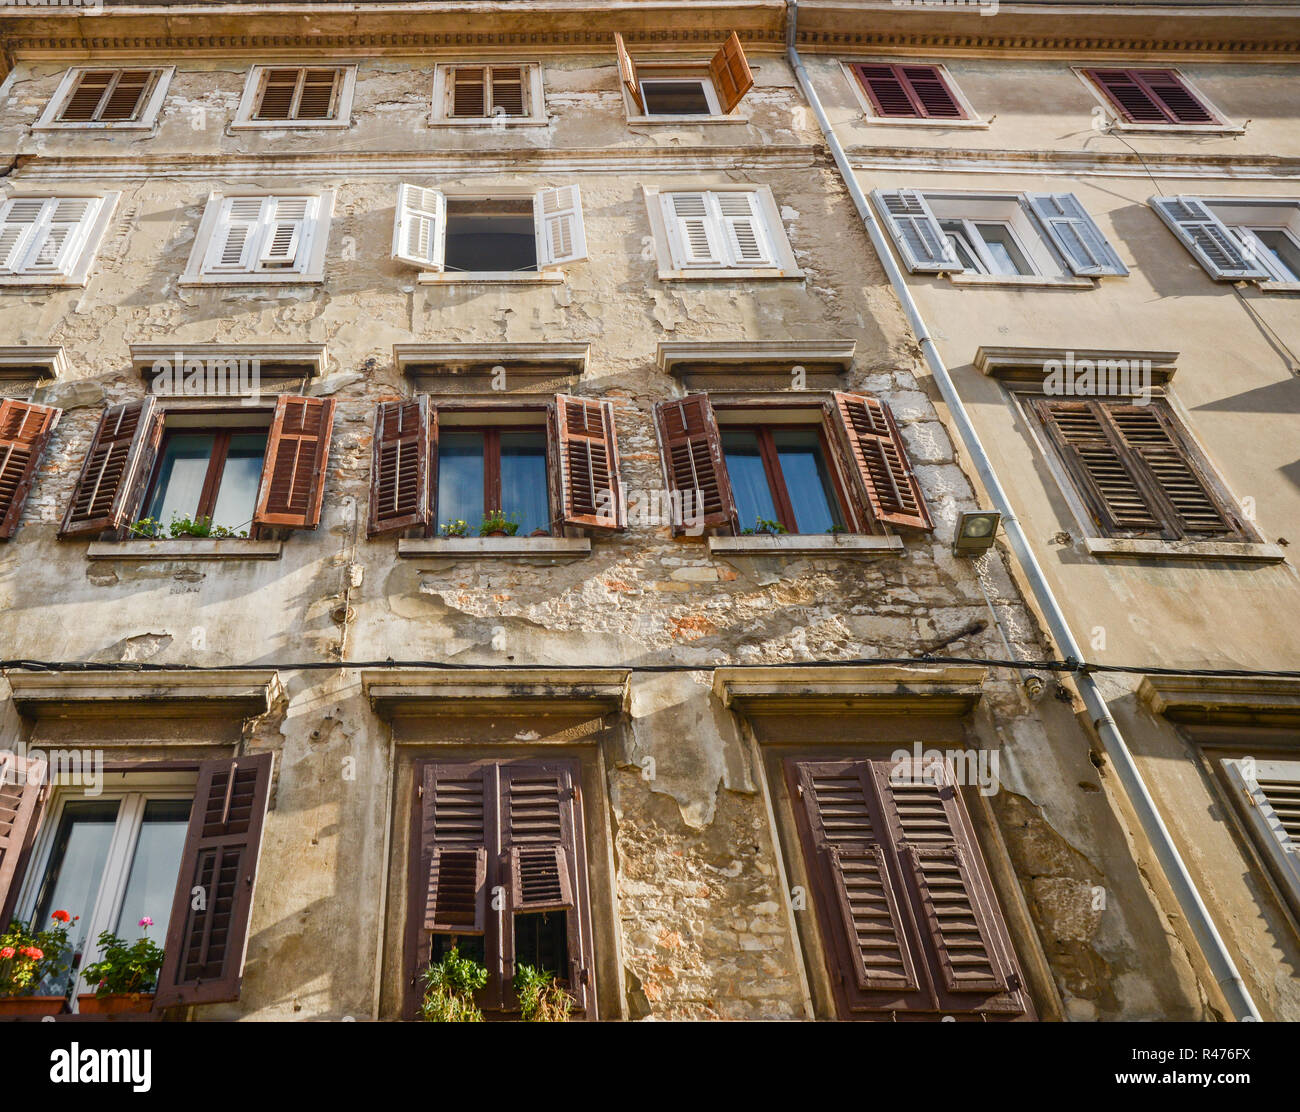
(799, 789)
(419, 791)
(1014, 983)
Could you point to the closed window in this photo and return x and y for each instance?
(207, 476)
(1157, 98)
(781, 475)
(905, 91)
(1235, 238)
(51, 240)
(297, 96)
(107, 98)
(715, 233)
(261, 238)
(496, 93)
(484, 471)
(676, 91)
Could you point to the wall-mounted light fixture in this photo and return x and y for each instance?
(976, 532)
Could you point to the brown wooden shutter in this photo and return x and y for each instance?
(206, 943)
(85, 97)
(399, 470)
(507, 90)
(731, 75)
(973, 966)
(456, 812)
(693, 461)
(319, 94)
(22, 780)
(916, 92)
(278, 88)
(116, 469)
(126, 101)
(25, 430)
(297, 450)
(893, 494)
(586, 451)
(1151, 96)
(469, 91)
(627, 73)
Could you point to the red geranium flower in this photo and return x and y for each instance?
(62, 916)
(7, 953)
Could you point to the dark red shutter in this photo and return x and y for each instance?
(693, 462)
(456, 809)
(586, 448)
(879, 455)
(1151, 96)
(25, 430)
(21, 783)
(399, 470)
(731, 75)
(903, 91)
(297, 450)
(116, 469)
(207, 935)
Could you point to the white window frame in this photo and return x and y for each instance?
(978, 248)
(869, 115)
(785, 265)
(50, 121)
(309, 266)
(441, 116)
(679, 71)
(76, 270)
(134, 791)
(248, 101)
(1245, 214)
(1221, 127)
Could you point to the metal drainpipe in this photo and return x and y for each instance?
(1121, 758)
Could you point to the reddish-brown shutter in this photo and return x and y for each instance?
(116, 468)
(126, 101)
(278, 88)
(693, 461)
(731, 75)
(86, 95)
(1151, 96)
(627, 73)
(297, 450)
(876, 447)
(586, 449)
(22, 780)
(207, 935)
(319, 94)
(456, 812)
(25, 430)
(916, 92)
(399, 470)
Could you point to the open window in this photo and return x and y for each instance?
(499, 236)
(120, 99)
(544, 468)
(823, 466)
(51, 240)
(249, 472)
(674, 91)
(297, 96)
(25, 432)
(1238, 238)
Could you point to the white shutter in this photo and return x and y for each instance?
(920, 239)
(1271, 803)
(20, 221)
(1207, 238)
(742, 222)
(693, 231)
(558, 218)
(288, 221)
(58, 245)
(419, 226)
(1076, 236)
(236, 234)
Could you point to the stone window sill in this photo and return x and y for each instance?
(643, 121)
(495, 548)
(1127, 548)
(463, 277)
(1039, 281)
(1279, 287)
(732, 274)
(828, 544)
(196, 549)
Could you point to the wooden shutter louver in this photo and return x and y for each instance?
(1209, 240)
(455, 813)
(627, 73)
(557, 215)
(22, 780)
(297, 450)
(112, 477)
(1076, 236)
(508, 91)
(884, 471)
(127, 100)
(279, 87)
(1152, 96)
(918, 234)
(469, 92)
(400, 483)
(732, 77)
(591, 491)
(318, 98)
(916, 92)
(25, 430)
(693, 460)
(83, 104)
(539, 878)
(207, 935)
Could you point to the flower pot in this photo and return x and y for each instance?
(115, 1003)
(31, 1005)
(498, 533)
(539, 533)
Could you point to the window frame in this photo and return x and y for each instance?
(976, 246)
(786, 264)
(679, 70)
(534, 92)
(1032, 240)
(49, 119)
(216, 463)
(250, 99)
(1221, 124)
(309, 264)
(76, 272)
(1285, 220)
(970, 119)
(492, 463)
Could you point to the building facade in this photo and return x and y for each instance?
(469, 482)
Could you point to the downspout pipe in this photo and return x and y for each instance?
(1212, 946)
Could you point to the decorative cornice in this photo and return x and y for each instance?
(769, 356)
(540, 359)
(1032, 364)
(274, 360)
(931, 690)
(420, 692)
(163, 693)
(19, 361)
(1223, 700)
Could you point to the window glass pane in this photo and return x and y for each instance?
(237, 497)
(151, 882)
(490, 235)
(1003, 249)
(955, 230)
(181, 473)
(1284, 250)
(523, 480)
(460, 478)
(75, 870)
(675, 98)
(807, 479)
(542, 941)
(748, 478)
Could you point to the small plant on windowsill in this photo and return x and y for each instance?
(450, 985)
(765, 528)
(541, 997)
(27, 958)
(496, 524)
(184, 526)
(836, 530)
(125, 975)
(457, 528)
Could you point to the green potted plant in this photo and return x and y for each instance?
(457, 528)
(496, 524)
(27, 958)
(450, 985)
(124, 977)
(541, 997)
(182, 525)
(764, 527)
